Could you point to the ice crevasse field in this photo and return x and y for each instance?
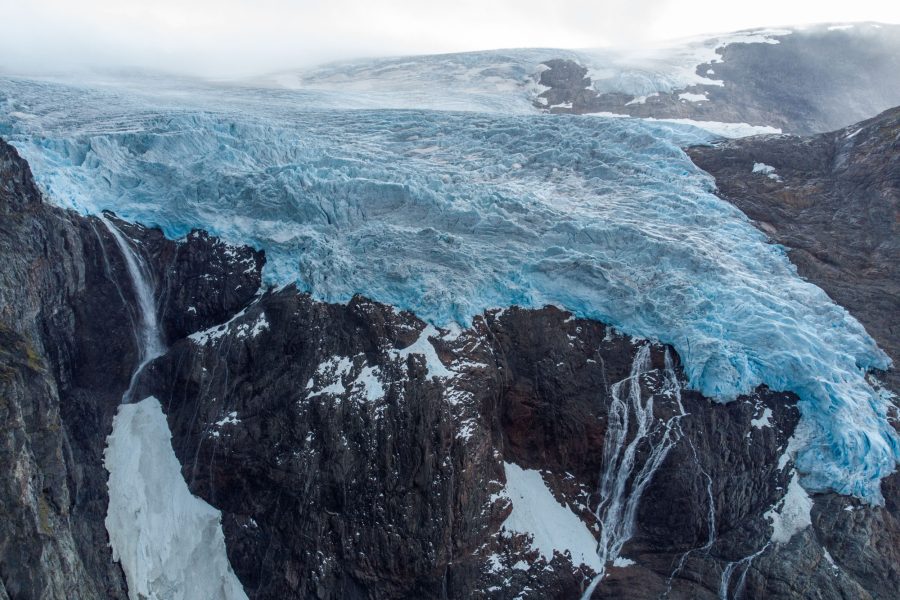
(450, 213)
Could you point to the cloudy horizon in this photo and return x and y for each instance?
(237, 38)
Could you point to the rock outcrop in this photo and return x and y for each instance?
(801, 81)
(67, 315)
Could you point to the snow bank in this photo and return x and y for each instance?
(169, 542)
(553, 527)
(791, 514)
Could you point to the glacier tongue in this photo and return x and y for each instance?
(169, 542)
(448, 214)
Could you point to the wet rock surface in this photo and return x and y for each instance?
(67, 323)
(356, 452)
(67, 348)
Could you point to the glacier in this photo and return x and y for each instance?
(449, 213)
(508, 80)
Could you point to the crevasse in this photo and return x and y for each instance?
(447, 214)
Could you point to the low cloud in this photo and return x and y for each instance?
(231, 38)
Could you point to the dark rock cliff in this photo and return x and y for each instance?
(67, 315)
(356, 453)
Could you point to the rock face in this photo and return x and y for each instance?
(67, 315)
(808, 81)
(356, 452)
(834, 201)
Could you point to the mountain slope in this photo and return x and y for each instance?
(68, 327)
(483, 349)
(799, 80)
(834, 200)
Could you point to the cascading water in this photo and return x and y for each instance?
(148, 335)
(169, 542)
(710, 523)
(727, 574)
(620, 487)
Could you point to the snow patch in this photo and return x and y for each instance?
(553, 527)
(261, 324)
(466, 429)
(230, 419)
(726, 130)
(494, 564)
(767, 170)
(641, 99)
(718, 128)
(371, 386)
(764, 420)
(691, 97)
(169, 542)
(792, 514)
(332, 370)
(216, 332)
(423, 347)
(795, 442)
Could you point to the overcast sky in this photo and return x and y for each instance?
(222, 38)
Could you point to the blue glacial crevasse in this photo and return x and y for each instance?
(447, 214)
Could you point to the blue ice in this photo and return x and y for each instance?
(448, 214)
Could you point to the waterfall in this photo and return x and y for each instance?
(150, 343)
(745, 562)
(169, 542)
(620, 486)
(710, 523)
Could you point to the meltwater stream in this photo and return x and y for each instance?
(149, 337)
(169, 542)
(623, 480)
(448, 214)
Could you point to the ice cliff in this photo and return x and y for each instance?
(447, 214)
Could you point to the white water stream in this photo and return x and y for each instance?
(623, 481)
(169, 542)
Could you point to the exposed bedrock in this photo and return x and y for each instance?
(67, 315)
